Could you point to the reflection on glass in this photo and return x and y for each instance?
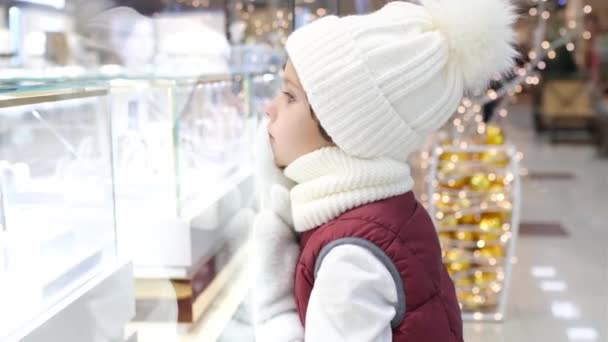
(258, 32)
(212, 141)
(57, 203)
(308, 11)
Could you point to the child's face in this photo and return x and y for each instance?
(293, 128)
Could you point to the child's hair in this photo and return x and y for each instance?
(321, 129)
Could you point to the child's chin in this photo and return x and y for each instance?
(279, 164)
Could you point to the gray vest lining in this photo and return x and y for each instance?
(400, 308)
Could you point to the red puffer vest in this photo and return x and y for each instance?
(401, 234)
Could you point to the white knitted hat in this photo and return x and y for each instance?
(379, 83)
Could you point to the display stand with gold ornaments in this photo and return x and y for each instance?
(474, 192)
(475, 198)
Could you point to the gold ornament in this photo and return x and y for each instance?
(464, 236)
(497, 187)
(463, 282)
(447, 167)
(445, 236)
(456, 267)
(480, 182)
(500, 179)
(443, 206)
(456, 255)
(455, 157)
(468, 219)
(448, 222)
(505, 216)
(496, 252)
(470, 300)
(462, 203)
(484, 278)
(494, 157)
(494, 135)
(489, 223)
(444, 201)
(492, 130)
(489, 237)
(454, 183)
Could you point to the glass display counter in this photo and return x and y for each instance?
(180, 147)
(183, 153)
(57, 222)
(177, 170)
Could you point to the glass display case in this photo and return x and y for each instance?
(180, 146)
(213, 129)
(57, 222)
(178, 162)
(184, 183)
(203, 250)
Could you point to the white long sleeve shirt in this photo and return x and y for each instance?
(354, 298)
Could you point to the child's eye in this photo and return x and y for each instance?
(290, 97)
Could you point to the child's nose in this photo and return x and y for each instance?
(270, 110)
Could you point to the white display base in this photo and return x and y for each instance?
(168, 248)
(153, 243)
(214, 194)
(94, 310)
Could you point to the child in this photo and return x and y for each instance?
(344, 252)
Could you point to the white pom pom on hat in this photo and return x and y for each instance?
(380, 83)
(479, 35)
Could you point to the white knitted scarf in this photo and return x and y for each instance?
(330, 182)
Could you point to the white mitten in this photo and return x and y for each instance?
(267, 173)
(276, 253)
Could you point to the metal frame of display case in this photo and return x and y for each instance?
(42, 95)
(509, 259)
